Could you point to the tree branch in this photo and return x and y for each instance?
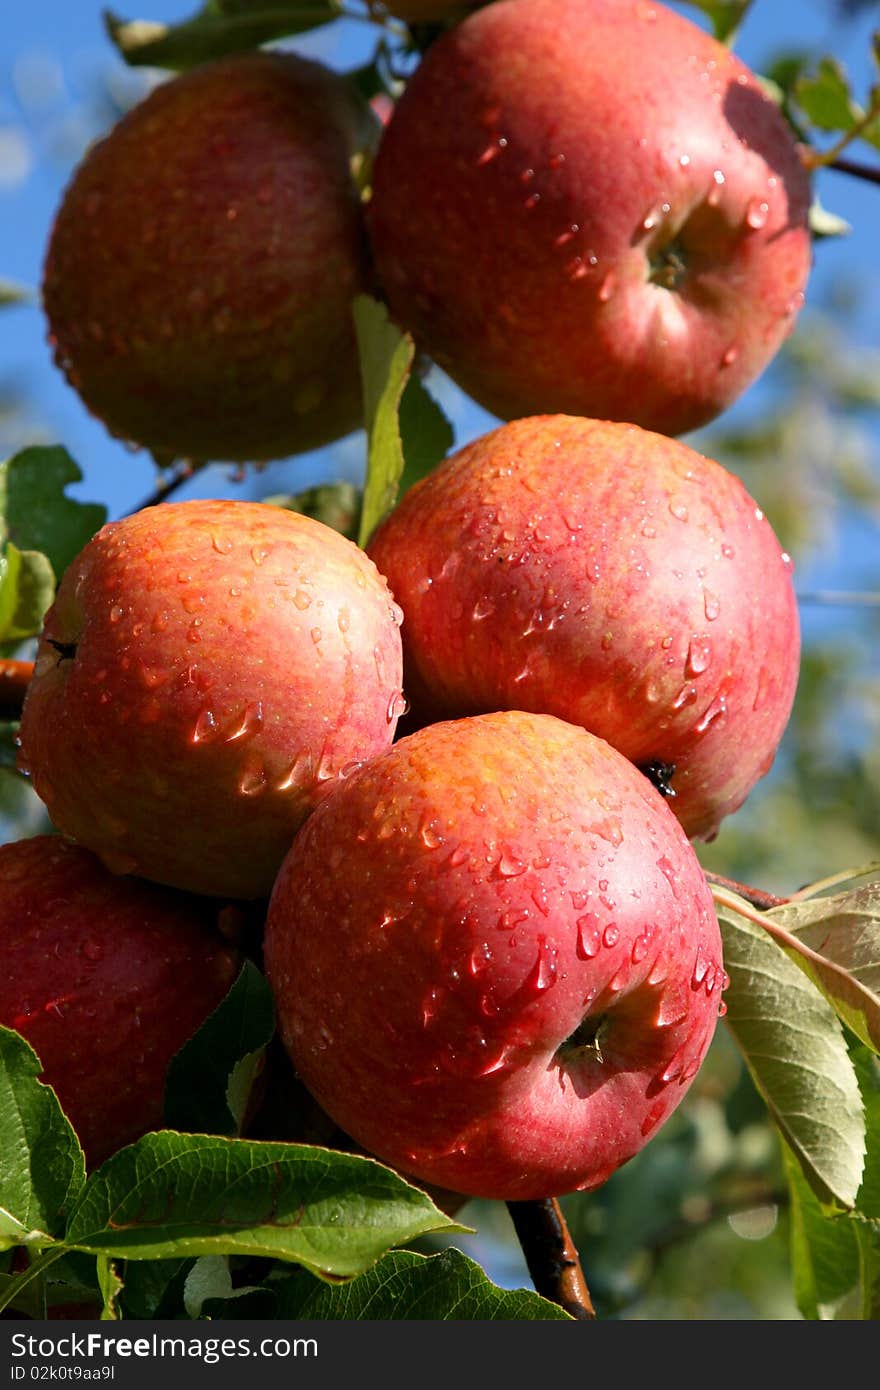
(551, 1255)
(869, 172)
(756, 896)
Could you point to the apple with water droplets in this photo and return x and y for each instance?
(494, 957)
(202, 264)
(613, 577)
(209, 671)
(591, 207)
(106, 978)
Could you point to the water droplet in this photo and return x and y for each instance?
(729, 355)
(588, 938)
(757, 212)
(258, 554)
(116, 612)
(701, 967)
(606, 287)
(298, 774)
(698, 656)
(611, 935)
(787, 561)
(722, 1008)
(302, 600)
(491, 152)
(685, 696)
(483, 608)
(532, 201)
(715, 711)
(430, 836)
(316, 635)
(543, 973)
(509, 865)
(639, 949)
(576, 269)
(684, 160)
(652, 1119)
(711, 605)
(398, 706)
(205, 727)
(430, 1006)
(253, 779)
(343, 620)
(655, 216)
(678, 509)
(222, 544)
(568, 235)
(251, 721)
(556, 161)
(607, 639)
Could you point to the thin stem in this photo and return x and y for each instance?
(869, 172)
(551, 1255)
(756, 896)
(14, 680)
(176, 477)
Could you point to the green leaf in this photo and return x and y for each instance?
(386, 357)
(826, 99)
(110, 1283)
(726, 16)
(337, 505)
(426, 434)
(824, 1249)
(27, 587)
(405, 1285)
(209, 1080)
(153, 1288)
(41, 1163)
(794, 1047)
(38, 515)
(868, 1073)
(11, 293)
(178, 1195)
(836, 942)
(210, 1281)
(216, 30)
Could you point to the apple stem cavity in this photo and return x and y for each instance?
(66, 650)
(586, 1038)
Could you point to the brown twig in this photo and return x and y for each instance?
(756, 896)
(869, 172)
(14, 679)
(551, 1255)
(174, 479)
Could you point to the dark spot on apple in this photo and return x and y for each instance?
(660, 775)
(66, 650)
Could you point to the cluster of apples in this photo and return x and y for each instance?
(492, 949)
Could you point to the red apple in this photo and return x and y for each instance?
(494, 957)
(208, 671)
(200, 272)
(610, 576)
(106, 978)
(591, 207)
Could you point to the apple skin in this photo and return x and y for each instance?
(106, 978)
(200, 270)
(613, 577)
(590, 207)
(443, 925)
(208, 671)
